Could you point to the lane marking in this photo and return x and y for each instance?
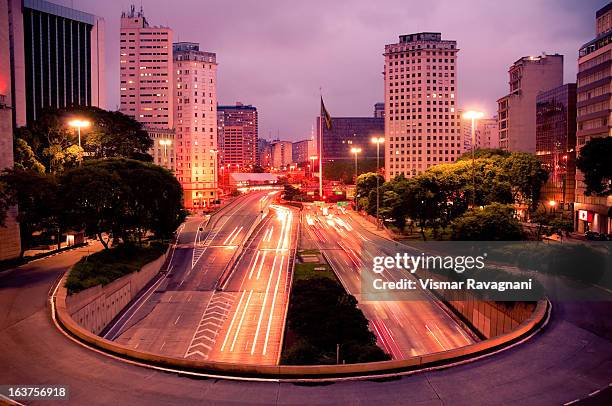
(246, 306)
(229, 330)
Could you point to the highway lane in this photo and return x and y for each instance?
(253, 331)
(164, 320)
(568, 360)
(404, 328)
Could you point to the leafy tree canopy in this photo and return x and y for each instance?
(595, 162)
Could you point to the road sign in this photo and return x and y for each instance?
(343, 204)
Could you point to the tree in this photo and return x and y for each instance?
(366, 184)
(526, 176)
(495, 222)
(594, 161)
(36, 197)
(54, 144)
(123, 198)
(25, 159)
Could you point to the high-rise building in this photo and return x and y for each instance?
(9, 232)
(422, 126)
(556, 143)
(146, 71)
(56, 58)
(348, 132)
(264, 153)
(516, 111)
(303, 150)
(195, 120)
(379, 110)
(237, 129)
(163, 149)
(594, 99)
(282, 154)
(485, 133)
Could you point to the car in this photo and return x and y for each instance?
(592, 236)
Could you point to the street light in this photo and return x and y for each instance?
(473, 115)
(165, 144)
(355, 150)
(378, 141)
(78, 124)
(215, 152)
(312, 158)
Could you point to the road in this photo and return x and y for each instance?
(181, 314)
(570, 359)
(404, 328)
(253, 331)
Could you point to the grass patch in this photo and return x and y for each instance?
(306, 271)
(106, 266)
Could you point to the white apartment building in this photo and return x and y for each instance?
(422, 125)
(195, 120)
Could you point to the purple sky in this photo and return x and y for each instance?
(275, 54)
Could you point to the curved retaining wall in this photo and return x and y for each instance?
(297, 372)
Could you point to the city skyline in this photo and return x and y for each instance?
(288, 103)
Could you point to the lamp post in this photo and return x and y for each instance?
(312, 158)
(355, 151)
(473, 115)
(378, 141)
(78, 124)
(215, 152)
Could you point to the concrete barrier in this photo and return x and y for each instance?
(95, 307)
(288, 371)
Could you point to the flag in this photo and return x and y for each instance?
(325, 115)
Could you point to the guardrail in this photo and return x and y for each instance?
(289, 372)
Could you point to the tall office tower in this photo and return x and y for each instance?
(593, 116)
(237, 126)
(422, 126)
(348, 132)
(195, 120)
(146, 71)
(9, 232)
(303, 150)
(485, 133)
(379, 110)
(56, 58)
(556, 143)
(282, 154)
(516, 111)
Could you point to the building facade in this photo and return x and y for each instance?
(264, 153)
(348, 132)
(237, 131)
(195, 120)
(422, 125)
(516, 113)
(56, 58)
(303, 150)
(282, 154)
(485, 133)
(163, 150)
(9, 232)
(594, 106)
(379, 110)
(556, 144)
(146, 71)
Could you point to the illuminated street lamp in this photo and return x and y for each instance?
(78, 124)
(215, 152)
(313, 158)
(473, 115)
(355, 150)
(165, 144)
(378, 141)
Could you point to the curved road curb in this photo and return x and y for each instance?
(289, 373)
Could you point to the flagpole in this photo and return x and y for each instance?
(321, 150)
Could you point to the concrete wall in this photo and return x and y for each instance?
(95, 307)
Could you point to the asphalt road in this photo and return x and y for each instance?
(253, 330)
(174, 318)
(568, 360)
(404, 328)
